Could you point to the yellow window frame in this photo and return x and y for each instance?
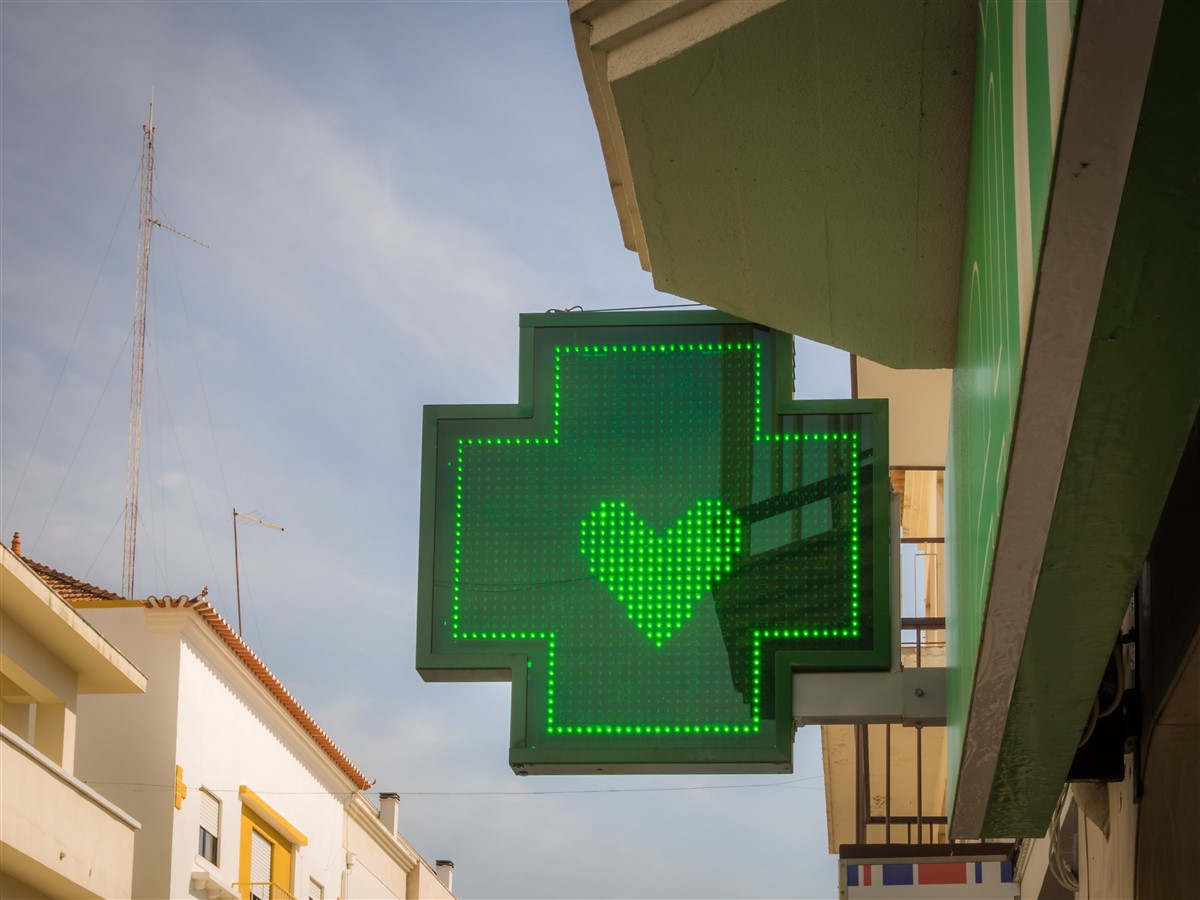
(258, 815)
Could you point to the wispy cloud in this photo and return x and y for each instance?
(383, 193)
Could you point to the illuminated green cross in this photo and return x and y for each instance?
(650, 542)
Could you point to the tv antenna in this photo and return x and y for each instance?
(237, 575)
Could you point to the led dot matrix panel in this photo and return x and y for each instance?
(651, 542)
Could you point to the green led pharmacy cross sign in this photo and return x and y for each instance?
(651, 542)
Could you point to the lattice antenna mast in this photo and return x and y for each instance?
(146, 226)
(145, 229)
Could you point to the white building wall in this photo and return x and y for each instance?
(363, 885)
(206, 712)
(125, 744)
(231, 734)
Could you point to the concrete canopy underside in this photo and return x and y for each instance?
(1073, 535)
(31, 607)
(798, 164)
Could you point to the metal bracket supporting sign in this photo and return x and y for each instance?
(907, 697)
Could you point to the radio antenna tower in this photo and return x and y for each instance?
(146, 223)
(145, 229)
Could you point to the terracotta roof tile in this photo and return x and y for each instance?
(75, 591)
(258, 668)
(70, 589)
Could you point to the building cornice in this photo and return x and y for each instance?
(212, 626)
(363, 814)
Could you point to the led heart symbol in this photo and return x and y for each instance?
(659, 579)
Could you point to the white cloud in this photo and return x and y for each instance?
(381, 201)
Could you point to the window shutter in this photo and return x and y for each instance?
(210, 814)
(260, 858)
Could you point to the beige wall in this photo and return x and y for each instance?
(14, 887)
(1106, 855)
(373, 860)
(58, 835)
(32, 670)
(423, 884)
(1105, 851)
(384, 859)
(918, 411)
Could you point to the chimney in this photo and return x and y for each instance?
(389, 810)
(445, 873)
(16, 544)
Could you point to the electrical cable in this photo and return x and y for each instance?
(646, 790)
(1114, 704)
(74, 340)
(578, 308)
(204, 396)
(1056, 865)
(117, 521)
(1093, 718)
(1098, 712)
(86, 428)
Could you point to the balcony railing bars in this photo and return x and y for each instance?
(919, 625)
(922, 822)
(263, 890)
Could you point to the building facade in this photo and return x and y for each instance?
(1003, 200)
(59, 837)
(240, 794)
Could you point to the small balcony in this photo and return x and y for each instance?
(263, 890)
(60, 837)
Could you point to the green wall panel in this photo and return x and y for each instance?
(986, 372)
(1037, 101)
(1137, 403)
(989, 360)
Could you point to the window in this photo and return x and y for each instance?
(268, 844)
(261, 851)
(315, 890)
(210, 826)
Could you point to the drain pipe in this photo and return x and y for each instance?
(350, 861)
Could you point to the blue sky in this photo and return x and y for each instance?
(384, 188)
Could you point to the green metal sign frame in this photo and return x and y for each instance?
(651, 541)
